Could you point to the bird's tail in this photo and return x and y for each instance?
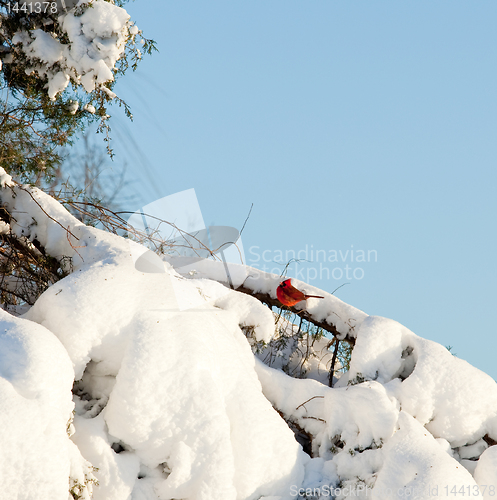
(313, 297)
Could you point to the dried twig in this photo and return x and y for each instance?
(250, 211)
(310, 399)
(316, 418)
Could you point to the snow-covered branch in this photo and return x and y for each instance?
(331, 314)
(82, 47)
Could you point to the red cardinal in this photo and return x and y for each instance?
(288, 295)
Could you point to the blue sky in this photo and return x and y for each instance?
(350, 126)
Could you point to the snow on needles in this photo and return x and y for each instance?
(170, 401)
(97, 40)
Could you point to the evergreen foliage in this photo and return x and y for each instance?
(34, 127)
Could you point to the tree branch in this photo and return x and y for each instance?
(271, 302)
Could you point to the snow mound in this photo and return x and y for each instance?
(171, 402)
(437, 388)
(173, 391)
(37, 458)
(485, 472)
(415, 465)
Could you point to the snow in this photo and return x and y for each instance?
(358, 429)
(438, 387)
(5, 178)
(249, 311)
(346, 318)
(415, 465)
(35, 388)
(97, 40)
(170, 400)
(90, 108)
(73, 107)
(485, 472)
(43, 46)
(117, 473)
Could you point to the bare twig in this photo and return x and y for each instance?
(250, 211)
(338, 288)
(310, 399)
(316, 418)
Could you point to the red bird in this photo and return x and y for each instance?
(288, 295)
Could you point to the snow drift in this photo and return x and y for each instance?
(170, 402)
